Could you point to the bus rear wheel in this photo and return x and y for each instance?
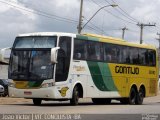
(75, 96)
(37, 101)
(140, 96)
(132, 96)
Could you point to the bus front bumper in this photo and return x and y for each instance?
(46, 93)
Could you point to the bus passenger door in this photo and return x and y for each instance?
(63, 58)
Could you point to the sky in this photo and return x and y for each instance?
(26, 16)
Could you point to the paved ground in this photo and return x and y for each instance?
(22, 106)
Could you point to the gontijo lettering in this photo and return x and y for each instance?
(126, 70)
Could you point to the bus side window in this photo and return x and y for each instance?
(114, 53)
(91, 51)
(152, 58)
(134, 55)
(95, 51)
(143, 56)
(111, 53)
(107, 53)
(123, 54)
(80, 52)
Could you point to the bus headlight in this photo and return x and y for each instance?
(11, 84)
(45, 85)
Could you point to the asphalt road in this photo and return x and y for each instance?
(151, 106)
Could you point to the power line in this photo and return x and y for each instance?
(48, 14)
(37, 10)
(123, 14)
(98, 28)
(129, 30)
(126, 12)
(41, 13)
(113, 14)
(91, 28)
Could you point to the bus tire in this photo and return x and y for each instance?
(101, 101)
(75, 96)
(4, 95)
(37, 101)
(140, 96)
(132, 96)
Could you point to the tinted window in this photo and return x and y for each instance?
(151, 58)
(64, 54)
(111, 53)
(107, 52)
(134, 57)
(80, 49)
(124, 55)
(95, 51)
(143, 56)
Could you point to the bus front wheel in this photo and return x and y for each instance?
(75, 96)
(37, 101)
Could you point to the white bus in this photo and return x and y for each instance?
(65, 66)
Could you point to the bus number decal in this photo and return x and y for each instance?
(152, 72)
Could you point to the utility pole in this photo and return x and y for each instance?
(158, 39)
(141, 25)
(123, 31)
(80, 18)
(159, 47)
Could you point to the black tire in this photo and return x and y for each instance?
(132, 96)
(101, 101)
(75, 96)
(4, 95)
(140, 97)
(37, 101)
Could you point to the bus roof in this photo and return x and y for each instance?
(90, 37)
(47, 34)
(118, 41)
(104, 37)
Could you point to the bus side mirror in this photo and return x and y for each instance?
(2, 55)
(54, 52)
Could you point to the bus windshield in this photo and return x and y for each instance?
(30, 60)
(35, 42)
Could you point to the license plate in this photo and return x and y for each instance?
(27, 93)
